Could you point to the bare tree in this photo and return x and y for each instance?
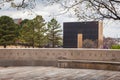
(84, 9)
(94, 9)
(21, 4)
(88, 43)
(109, 42)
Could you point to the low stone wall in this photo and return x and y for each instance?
(51, 57)
(82, 64)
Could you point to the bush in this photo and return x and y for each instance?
(115, 47)
(87, 43)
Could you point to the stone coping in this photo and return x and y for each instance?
(88, 61)
(62, 49)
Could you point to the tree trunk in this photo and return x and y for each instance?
(33, 45)
(5, 46)
(53, 44)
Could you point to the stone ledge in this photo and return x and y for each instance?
(88, 61)
(85, 64)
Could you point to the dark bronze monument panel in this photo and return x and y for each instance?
(89, 30)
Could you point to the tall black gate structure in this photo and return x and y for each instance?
(75, 32)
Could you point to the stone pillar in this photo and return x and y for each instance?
(79, 40)
(100, 34)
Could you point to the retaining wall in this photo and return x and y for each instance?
(57, 57)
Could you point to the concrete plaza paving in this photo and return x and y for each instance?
(52, 73)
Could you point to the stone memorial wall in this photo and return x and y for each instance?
(57, 57)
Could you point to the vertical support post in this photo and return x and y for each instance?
(79, 41)
(100, 34)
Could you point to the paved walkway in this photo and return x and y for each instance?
(51, 73)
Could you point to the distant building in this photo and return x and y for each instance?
(18, 21)
(75, 32)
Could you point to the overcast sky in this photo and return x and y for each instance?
(111, 27)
